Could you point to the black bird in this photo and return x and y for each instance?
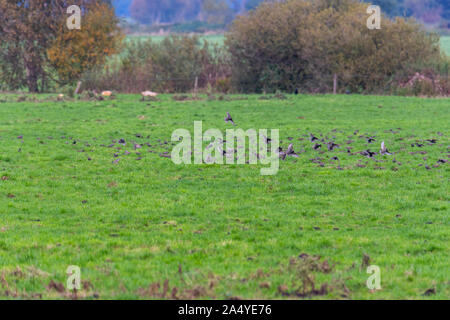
(368, 153)
(419, 145)
(228, 118)
(370, 139)
(331, 146)
(281, 153)
(296, 91)
(317, 146)
(268, 140)
(312, 138)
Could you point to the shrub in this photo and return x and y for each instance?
(302, 44)
(171, 65)
(223, 85)
(37, 50)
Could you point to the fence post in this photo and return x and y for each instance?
(195, 86)
(335, 83)
(77, 90)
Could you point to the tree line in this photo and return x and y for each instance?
(291, 45)
(223, 11)
(37, 50)
(179, 11)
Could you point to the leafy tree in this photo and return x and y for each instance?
(165, 11)
(217, 11)
(72, 53)
(168, 11)
(29, 30)
(171, 65)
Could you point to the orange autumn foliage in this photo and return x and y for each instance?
(75, 51)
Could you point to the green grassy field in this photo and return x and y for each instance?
(151, 229)
(445, 41)
(213, 38)
(218, 39)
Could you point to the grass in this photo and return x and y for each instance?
(445, 42)
(212, 38)
(219, 39)
(217, 231)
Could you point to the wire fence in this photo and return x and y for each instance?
(319, 83)
(416, 83)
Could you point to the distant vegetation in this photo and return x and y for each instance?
(445, 43)
(319, 41)
(220, 38)
(201, 15)
(38, 51)
(289, 46)
(170, 64)
(294, 45)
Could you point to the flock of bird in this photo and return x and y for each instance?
(321, 144)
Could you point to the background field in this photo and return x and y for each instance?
(218, 39)
(446, 44)
(146, 228)
(213, 39)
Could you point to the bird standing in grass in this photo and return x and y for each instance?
(228, 118)
(290, 151)
(313, 138)
(267, 140)
(368, 153)
(331, 145)
(384, 150)
(281, 153)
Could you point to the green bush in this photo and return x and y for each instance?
(302, 44)
(171, 65)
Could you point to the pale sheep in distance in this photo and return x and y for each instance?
(149, 94)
